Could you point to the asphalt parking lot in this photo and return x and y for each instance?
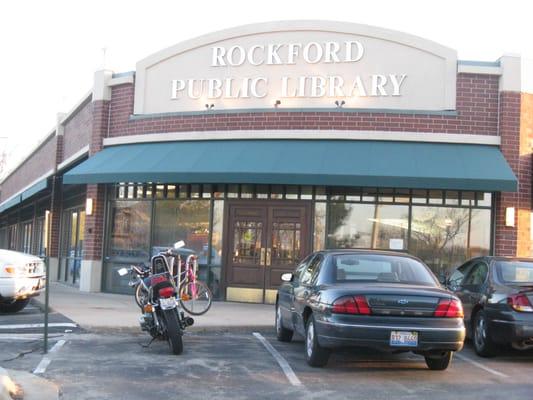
(239, 366)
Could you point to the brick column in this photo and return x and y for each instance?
(515, 146)
(91, 267)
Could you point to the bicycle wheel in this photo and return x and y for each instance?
(141, 296)
(196, 298)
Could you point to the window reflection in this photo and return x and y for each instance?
(186, 220)
(368, 226)
(439, 236)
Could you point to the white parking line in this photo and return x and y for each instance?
(30, 326)
(287, 370)
(483, 367)
(45, 361)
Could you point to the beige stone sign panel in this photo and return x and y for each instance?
(298, 64)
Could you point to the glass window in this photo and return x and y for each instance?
(420, 196)
(186, 220)
(391, 227)
(27, 228)
(216, 237)
(477, 275)
(452, 198)
(484, 199)
(439, 236)
(247, 191)
(480, 230)
(385, 195)
(401, 196)
(435, 197)
(276, 192)
(319, 234)
(214, 278)
(518, 272)
(468, 199)
(320, 193)
(380, 268)
(458, 275)
(12, 237)
(130, 231)
(354, 225)
(261, 191)
(307, 193)
(369, 195)
(350, 225)
(292, 192)
(309, 273)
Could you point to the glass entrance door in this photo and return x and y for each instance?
(265, 240)
(72, 252)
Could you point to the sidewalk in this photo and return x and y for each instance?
(105, 311)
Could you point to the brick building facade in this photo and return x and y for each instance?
(86, 247)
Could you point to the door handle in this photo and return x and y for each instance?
(269, 256)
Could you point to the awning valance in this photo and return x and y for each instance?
(36, 188)
(304, 162)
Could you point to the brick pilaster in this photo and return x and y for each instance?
(507, 240)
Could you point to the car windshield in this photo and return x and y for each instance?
(519, 272)
(381, 268)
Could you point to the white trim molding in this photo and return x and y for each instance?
(73, 158)
(479, 69)
(306, 135)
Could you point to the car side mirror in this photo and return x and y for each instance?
(287, 277)
(443, 279)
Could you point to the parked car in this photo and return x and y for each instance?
(497, 295)
(21, 276)
(384, 300)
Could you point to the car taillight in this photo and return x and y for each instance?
(166, 292)
(351, 305)
(449, 309)
(519, 302)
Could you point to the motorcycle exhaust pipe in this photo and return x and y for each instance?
(188, 321)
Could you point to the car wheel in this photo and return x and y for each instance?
(483, 345)
(316, 355)
(15, 306)
(439, 362)
(283, 334)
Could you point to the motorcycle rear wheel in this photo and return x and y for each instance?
(174, 333)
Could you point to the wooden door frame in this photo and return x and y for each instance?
(255, 203)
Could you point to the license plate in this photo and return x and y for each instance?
(405, 339)
(167, 303)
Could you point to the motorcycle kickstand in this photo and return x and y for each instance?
(145, 346)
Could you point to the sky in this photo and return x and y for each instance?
(51, 49)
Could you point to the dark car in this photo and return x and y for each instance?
(384, 300)
(497, 295)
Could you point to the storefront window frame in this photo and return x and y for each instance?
(320, 194)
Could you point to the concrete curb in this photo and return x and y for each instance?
(197, 329)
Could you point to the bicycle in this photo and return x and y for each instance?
(195, 297)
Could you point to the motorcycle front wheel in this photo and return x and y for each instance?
(196, 298)
(174, 333)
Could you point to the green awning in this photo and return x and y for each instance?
(10, 203)
(36, 188)
(304, 162)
